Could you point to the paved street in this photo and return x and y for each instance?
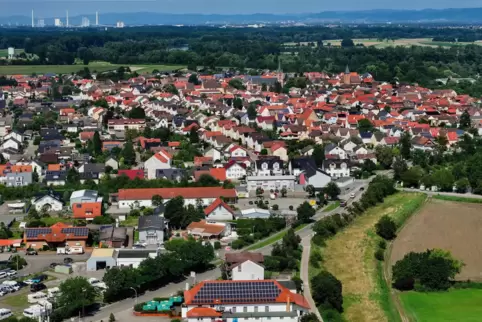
(452, 194)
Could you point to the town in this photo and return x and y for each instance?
(145, 191)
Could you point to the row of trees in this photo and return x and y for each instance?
(252, 230)
(183, 256)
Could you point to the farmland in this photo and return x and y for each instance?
(350, 257)
(383, 43)
(453, 226)
(454, 305)
(67, 69)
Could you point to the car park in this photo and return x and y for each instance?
(35, 287)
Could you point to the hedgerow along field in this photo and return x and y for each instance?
(448, 225)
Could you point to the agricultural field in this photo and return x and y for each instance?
(453, 305)
(452, 226)
(383, 43)
(350, 257)
(4, 52)
(67, 69)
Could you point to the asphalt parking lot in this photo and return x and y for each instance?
(39, 263)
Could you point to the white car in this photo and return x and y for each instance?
(28, 282)
(352, 195)
(11, 273)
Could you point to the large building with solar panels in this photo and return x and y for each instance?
(249, 301)
(58, 235)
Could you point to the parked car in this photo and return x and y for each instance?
(39, 278)
(35, 287)
(31, 252)
(11, 272)
(362, 188)
(53, 265)
(352, 195)
(342, 203)
(68, 260)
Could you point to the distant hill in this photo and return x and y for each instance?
(465, 15)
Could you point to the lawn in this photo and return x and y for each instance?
(67, 69)
(17, 303)
(273, 238)
(457, 199)
(332, 206)
(131, 221)
(350, 257)
(49, 221)
(454, 305)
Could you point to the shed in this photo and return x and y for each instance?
(133, 257)
(101, 258)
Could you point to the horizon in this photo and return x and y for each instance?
(55, 8)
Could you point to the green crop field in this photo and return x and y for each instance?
(67, 69)
(454, 305)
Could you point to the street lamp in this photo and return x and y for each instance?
(135, 291)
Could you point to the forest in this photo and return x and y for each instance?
(244, 49)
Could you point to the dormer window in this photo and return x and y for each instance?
(264, 166)
(276, 166)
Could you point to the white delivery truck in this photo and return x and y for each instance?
(35, 311)
(53, 292)
(36, 297)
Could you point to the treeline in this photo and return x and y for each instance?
(182, 257)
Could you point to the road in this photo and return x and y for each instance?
(123, 309)
(452, 194)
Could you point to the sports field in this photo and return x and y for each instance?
(67, 69)
(453, 305)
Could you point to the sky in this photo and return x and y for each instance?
(52, 8)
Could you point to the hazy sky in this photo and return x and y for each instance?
(51, 8)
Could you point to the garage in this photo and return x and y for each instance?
(101, 258)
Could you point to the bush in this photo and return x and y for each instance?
(111, 317)
(386, 228)
(327, 290)
(382, 244)
(251, 202)
(291, 207)
(275, 207)
(217, 245)
(138, 307)
(315, 259)
(238, 244)
(380, 255)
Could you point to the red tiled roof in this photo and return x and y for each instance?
(204, 228)
(169, 193)
(87, 209)
(217, 203)
(9, 242)
(132, 174)
(203, 312)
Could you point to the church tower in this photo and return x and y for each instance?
(346, 76)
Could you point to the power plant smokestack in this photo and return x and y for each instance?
(33, 23)
(97, 18)
(67, 20)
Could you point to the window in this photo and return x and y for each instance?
(245, 309)
(234, 309)
(266, 308)
(255, 309)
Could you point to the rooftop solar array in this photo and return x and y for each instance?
(244, 292)
(77, 231)
(35, 232)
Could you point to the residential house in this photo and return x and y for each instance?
(58, 235)
(332, 149)
(160, 160)
(269, 166)
(219, 210)
(172, 174)
(115, 237)
(235, 170)
(208, 230)
(113, 163)
(18, 179)
(81, 196)
(308, 173)
(87, 210)
(49, 201)
(244, 266)
(151, 229)
(337, 168)
(120, 125)
(55, 178)
(271, 182)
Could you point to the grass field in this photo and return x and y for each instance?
(350, 257)
(4, 52)
(272, 239)
(332, 206)
(67, 69)
(454, 305)
(457, 199)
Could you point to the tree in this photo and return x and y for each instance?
(128, 153)
(310, 190)
(305, 212)
(175, 211)
(252, 113)
(237, 83)
(347, 42)
(443, 179)
(193, 135)
(386, 228)
(193, 79)
(384, 155)
(465, 122)
(332, 190)
(327, 291)
(111, 317)
(73, 177)
(405, 146)
(462, 185)
(77, 293)
(137, 113)
(264, 152)
(412, 177)
(318, 155)
(364, 125)
(309, 317)
(97, 143)
(157, 200)
(238, 103)
(399, 167)
(283, 192)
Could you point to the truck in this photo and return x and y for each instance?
(74, 250)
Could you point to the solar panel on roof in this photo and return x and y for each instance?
(237, 292)
(35, 232)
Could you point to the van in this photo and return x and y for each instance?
(53, 292)
(34, 311)
(5, 313)
(36, 297)
(3, 274)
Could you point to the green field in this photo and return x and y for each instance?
(67, 69)
(4, 52)
(457, 199)
(454, 305)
